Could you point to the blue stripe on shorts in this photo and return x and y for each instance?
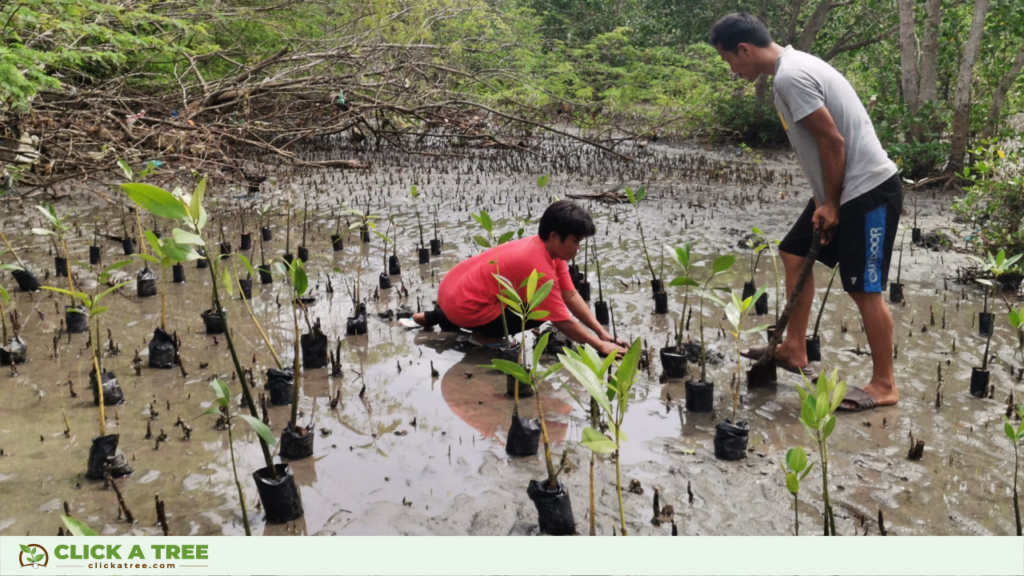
(874, 235)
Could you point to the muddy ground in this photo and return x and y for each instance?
(416, 454)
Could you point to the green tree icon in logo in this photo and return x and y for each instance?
(32, 555)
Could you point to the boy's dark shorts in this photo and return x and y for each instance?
(863, 244)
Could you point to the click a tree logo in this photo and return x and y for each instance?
(33, 555)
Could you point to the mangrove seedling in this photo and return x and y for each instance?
(682, 257)
(996, 266)
(222, 409)
(1016, 320)
(593, 362)
(767, 242)
(364, 222)
(605, 388)
(600, 307)
(735, 310)
(57, 228)
(12, 350)
(415, 193)
(821, 308)
(1015, 437)
(796, 469)
(188, 209)
(719, 266)
(817, 414)
(489, 242)
(635, 199)
(291, 445)
(176, 249)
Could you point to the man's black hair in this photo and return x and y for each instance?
(565, 217)
(732, 29)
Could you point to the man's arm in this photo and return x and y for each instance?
(832, 150)
(600, 339)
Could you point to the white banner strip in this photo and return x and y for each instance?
(455, 556)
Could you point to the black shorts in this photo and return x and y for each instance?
(863, 243)
(493, 329)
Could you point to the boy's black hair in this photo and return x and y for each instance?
(732, 29)
(566, 217)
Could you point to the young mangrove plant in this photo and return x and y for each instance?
(731, 436)
(423, 252)
(103, 455)
(996, 266)
(817, 414)
(222, 409)
(75, 321)
(796, 469)
(601, 311)
(275, 483)
(364, 223)
(1015, 437)
(490, 242)
(761, 305)
(168, 252)
(814, 341)
(605, 388)
(635, 199)
(549, 496)
(523, 434)
(13, 350)
(673, 359)
(592, 361)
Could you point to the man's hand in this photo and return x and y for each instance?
(605, 336)
(608, 348)
(826, 217)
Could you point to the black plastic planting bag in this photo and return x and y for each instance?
(657, 286)
(280, 497)
(584, 290)
(895, 293)
(26, 279)
(601, 312)
(128, 246)
(985, 321)
(435, 247)
(424, 255)
(214, 321)
(178, 273)
(77, 319)
(95, 256)
(61, 265)
(554, 510)
(314, 348)
(814, 349)
(661, 303)
(508, 352)
(265, 276)
(112, 394)
(337, 242)
(246, 242)
(303, 253)
(979, 382)
(761, 375)
(297, 444)
(700, 396)
(761, 306)
(385, 281)
(16, 351)
(356, 325)
(104, 456)
(748, 290)
(145, 285)
(267, 234)
(673, 363)
(161, 350)
(523, 437)
(246, 286)
(394, 267)
(280, 384)
(731, 440)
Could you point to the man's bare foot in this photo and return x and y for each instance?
(885, 394)
(795, 356)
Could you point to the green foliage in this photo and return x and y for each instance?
(77, 527)
(994, 199)
(740, 116)
(817, 415)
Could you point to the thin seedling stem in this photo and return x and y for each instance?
(11, 248)
(263, 334)
(238, 485)
(821, 309)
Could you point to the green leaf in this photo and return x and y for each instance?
(630, 195)
(641, 194)
(225, 280)
(510, 368)
(260, 429)
(154, 243)
(79, 295)
(103, 294)
(722, 263)
(597, 442)
(211, 410)
(483, 242)
(683, 281)
(484, 219)
(808, 413)
(531, 287)
(149, 258)
(792, 484)
(196, 204)
(1008, 428)
(837, 396)
(125, 168)
(5, 295)
(221, 389)
(42, 232)
(796, 459)
(247, 264)
(538, 350)
(543, 180)
(98, 311)
(505, 237)
(299, 279)
(590, 381)
(77, 527)
(617, 432)
(821, 405)
(280, 267)
(511, 304)
(626, 373)
(12, 267)
(182, 237)
(830, 424)
(538, 315)
(414, 192)
(155, 200)
(541, 294)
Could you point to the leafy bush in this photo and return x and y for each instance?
(741, 116)
(913, 141)
(994, 199)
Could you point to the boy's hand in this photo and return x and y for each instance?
(606, 337)
(608, 348)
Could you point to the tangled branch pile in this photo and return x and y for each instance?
(201, 85)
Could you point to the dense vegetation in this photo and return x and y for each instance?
(943, 75)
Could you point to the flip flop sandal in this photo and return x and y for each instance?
(755, 352)
(806, 371)
(861, 399)
(408, 323)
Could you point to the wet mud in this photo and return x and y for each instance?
(401, 451)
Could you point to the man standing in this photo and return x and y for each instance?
(857, 193)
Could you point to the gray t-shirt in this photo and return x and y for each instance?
(804, 83)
